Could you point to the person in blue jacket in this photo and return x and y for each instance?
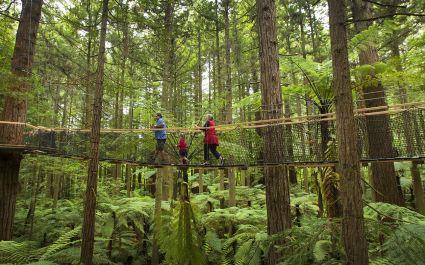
(160, 137)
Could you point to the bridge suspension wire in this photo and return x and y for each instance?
(304, 141)
(371, 111)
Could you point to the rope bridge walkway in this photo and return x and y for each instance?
(307, 140)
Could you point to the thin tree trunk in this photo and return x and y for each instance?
(277, 186)
(288, 128)
(232, 187)
(408, 123)
(15, 110)
(201, 181)
(167, 83)
(34, 191)
(217, 66)
(378, 126)
(87, 244)
(353, 231)
(198, 86)
(221, 178)
(228, 63)
(157, 216)
(88, 109)
(418, 189)
(128, 178)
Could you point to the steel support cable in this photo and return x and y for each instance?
(251, 124)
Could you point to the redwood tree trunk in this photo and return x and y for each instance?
(87, 243)
(167, 83)
(228, 90)
(378, 126)
(15, 109)
(217, 66)
(277, 186)
(353, 233)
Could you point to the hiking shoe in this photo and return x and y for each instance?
(205, 164)
(222, 161)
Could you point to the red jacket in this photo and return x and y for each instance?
(210, 135)
(182, 144)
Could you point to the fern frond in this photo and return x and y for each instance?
(61, 243)
(321, 249)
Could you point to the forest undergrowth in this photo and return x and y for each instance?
(200, 230)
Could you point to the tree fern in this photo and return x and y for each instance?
(17, 253)
(61, 243)
(321, 249)
(406, 245)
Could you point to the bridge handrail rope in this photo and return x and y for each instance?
(371, 111)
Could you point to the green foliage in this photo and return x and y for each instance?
(406, 245)
(321, 249)
(184, 231)
(21, 253)
(390, 212)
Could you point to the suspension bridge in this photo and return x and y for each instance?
(309, 141)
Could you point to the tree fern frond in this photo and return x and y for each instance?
(17, 253)
(62, 242)
(321, 249)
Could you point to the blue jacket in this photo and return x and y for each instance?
(161, 135)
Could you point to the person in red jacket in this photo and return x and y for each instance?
(210, 141)
(183, 149)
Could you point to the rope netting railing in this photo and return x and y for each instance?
(306, 139)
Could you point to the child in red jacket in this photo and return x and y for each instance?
(183, 149)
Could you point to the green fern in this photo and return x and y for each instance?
(406, 245)
(17, 253)
(321, 249)
(61, 243)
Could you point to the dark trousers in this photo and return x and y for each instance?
(213, 149)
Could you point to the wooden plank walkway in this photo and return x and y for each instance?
(24, 149)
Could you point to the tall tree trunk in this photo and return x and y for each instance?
(157, 215)
(87, 243)
(198, 85)
(287, 114)
(378, 126)
(168, 73)
(35, 186)
(353, 231)
(228, 63)
(408, 123)
(329, 182)
(15, 110)
(217, 66)
(125, 51)
(277, 186)
(88, 109)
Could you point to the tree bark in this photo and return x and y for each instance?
(228, 63)
(353, 231)
(277, 186)
(88, 108)
(201, 181)
(168, 71)
(418, 189)
(157, 215)
(232, 187)
(378, 126)
(198, 86)
(88, 229)
(217, 65)
(408, 123)
(15, 110)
